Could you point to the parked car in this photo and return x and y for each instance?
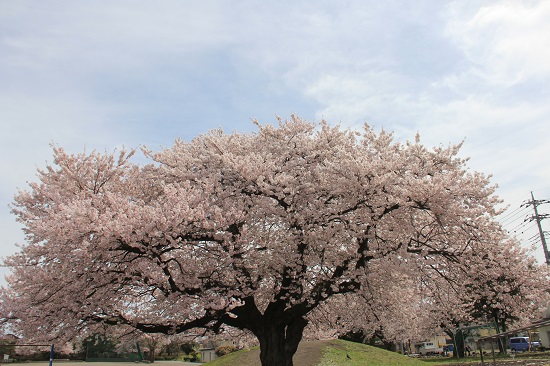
(429, 348)
(521, 344)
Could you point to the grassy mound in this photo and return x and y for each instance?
(350, 354)
(325, 353)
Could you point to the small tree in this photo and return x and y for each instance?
(153, 342)
(252, 231)
(7, 347)
(177, 347)
(174, 347)
(100, 345)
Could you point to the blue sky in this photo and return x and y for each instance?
(103, 74)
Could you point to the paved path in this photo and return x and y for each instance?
(82, 363)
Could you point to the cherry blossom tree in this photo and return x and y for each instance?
(508, 287)
(253, 231)
(390, 306)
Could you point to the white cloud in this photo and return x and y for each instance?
(507, 42)
(131, 72)
(494, 96)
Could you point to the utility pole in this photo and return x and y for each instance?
(538, 218)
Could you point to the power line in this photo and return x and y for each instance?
(514, 216)
(524, 228)
(511, 214)
(538, 218)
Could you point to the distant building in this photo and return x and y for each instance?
(208, 354)
(544, 329)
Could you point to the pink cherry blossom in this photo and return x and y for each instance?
(265, 232)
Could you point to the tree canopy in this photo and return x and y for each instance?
(257, 231)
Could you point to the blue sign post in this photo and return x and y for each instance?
(51, 355)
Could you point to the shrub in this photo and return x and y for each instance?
(224, 350)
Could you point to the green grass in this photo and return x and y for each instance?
(334, 353)
(232, 359)
(229, 359)
(355, 354)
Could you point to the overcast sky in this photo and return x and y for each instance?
(103, 74)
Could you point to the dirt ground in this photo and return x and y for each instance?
(520, 362)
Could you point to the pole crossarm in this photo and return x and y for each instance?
(538, 218)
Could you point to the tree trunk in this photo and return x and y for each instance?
(452, 335)
(459, 344)
(503, 341)
(500, 327)
(278, 343)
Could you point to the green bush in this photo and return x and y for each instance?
(194, 356)
(224, 350)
